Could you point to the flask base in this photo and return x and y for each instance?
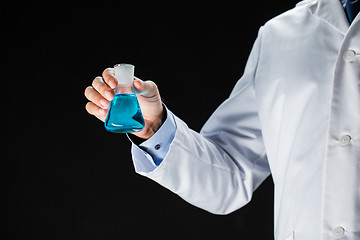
(124, 115)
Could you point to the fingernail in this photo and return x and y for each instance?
(102, 111)
(136, 85)
(109, 94)
(104, 103)
(112, 83)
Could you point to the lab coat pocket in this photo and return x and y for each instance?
(290, 237)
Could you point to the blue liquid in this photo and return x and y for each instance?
(124, 115)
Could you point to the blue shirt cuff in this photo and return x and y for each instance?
(158, 145)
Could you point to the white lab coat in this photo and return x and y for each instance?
(295, 114)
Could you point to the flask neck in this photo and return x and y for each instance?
(123, 89)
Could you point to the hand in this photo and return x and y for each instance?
(102, 92)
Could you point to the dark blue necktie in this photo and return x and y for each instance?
(352, 8)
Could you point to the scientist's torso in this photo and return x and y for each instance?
(307, 87)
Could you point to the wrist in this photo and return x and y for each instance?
(155, 125)
(152, 127)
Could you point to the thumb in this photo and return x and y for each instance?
(147, 89)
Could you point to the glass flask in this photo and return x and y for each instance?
(124, 114)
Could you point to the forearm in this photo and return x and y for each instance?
(201, 173)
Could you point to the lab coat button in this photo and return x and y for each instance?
(338, 232)
(349, 55)
(344, 140)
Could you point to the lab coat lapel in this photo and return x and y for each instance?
(332, 12)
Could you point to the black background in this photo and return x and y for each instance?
(63, 175)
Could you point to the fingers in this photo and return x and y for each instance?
(94, 96)
(100, 94)
(95, 110)
(147, 89)
(101, 87)
(109, 77)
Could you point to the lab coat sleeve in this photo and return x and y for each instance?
(219, 168)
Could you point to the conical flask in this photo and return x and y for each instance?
(124, 114)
